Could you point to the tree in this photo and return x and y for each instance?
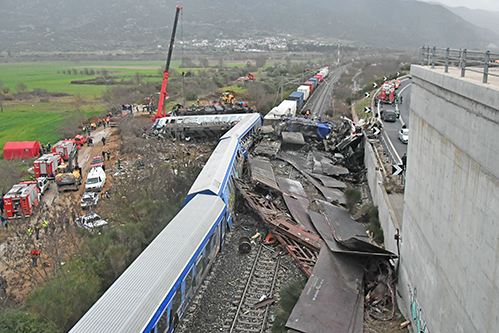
(21, 87)
(204, 62)
(261, 61)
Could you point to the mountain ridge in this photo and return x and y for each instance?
(72, 25)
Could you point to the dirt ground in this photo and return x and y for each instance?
(15, 263)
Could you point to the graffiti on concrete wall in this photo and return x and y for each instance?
(417, 313)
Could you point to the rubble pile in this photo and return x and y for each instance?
(296, 186)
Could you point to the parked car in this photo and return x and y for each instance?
(89, 199)
(43, 184)
(96, 180)
(90, 221)
(389, 115)
(97, 161)
(404, 135)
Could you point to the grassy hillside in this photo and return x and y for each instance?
(46, 119)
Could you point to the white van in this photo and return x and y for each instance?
(95, 180)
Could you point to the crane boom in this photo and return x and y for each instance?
(162, 95)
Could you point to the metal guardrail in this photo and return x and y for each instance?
(466, 60)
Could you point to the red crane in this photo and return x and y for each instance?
(162, 95)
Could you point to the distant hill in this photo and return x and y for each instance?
(75, 25)
(480, 18)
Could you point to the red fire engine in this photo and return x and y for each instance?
(20, 200)
(64, 148)
(47, 164)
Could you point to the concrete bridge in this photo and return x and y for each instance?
(449, 273)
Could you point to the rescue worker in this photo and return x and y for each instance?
(34, 257)
(37, 231)
(84, 129)
(103, 143)
(119, 163)
(108, 155)
(307, 113)
(45, 225)
(103, 155)
(3, 220)
(401, 99)
(49, 146)
(29, 232)
(404, 161)
(42, 147)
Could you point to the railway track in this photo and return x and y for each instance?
(320, 101)
(250, 314)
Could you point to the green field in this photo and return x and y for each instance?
(44, 120)
(49, 75)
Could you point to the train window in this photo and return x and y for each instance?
(232, 119)
(188, 282)
(199, 269)
(163, 321)
(201, 120)
(224, 119)
(216, 119)
(179, 121)
(177, 300)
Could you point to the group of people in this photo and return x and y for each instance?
(48, 228)
(93, 126)
(45, 149)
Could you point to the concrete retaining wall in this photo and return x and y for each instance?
(450, 249)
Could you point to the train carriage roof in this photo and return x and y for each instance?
(215, 173)
(130, 303)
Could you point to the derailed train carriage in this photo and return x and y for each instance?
(152, 294)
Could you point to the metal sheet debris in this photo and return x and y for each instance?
(292, 138)
(298, 208)
(333, 298)
(350, 233)
(291, 186)
(268, 148)
(333, 195)
(329, 181)
(262, 172)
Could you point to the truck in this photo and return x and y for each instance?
(387, 93)
(47, 165)
(69, 174)
(65, 148)
(20, 200)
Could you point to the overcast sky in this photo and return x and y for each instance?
(492, 5)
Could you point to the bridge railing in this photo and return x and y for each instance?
(466, 60)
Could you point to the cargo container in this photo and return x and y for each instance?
(324, 72)
(311, 85)
(20, 200)
(319, 76)
(315, 81)
(47, 164)
(305, 90)
(298, 97)
(64, 148)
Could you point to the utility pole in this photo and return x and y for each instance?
(338, 52)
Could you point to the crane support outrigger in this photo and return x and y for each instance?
(162, 95)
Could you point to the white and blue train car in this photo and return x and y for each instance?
(225, 163)
(153, 293)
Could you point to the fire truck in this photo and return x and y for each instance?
(64, 148)
(387, 94)
(20, 200)
(47, 164)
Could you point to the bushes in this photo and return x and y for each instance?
(353, 196)
(20, 321)
(289, 296)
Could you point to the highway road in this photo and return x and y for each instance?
(392, 128)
